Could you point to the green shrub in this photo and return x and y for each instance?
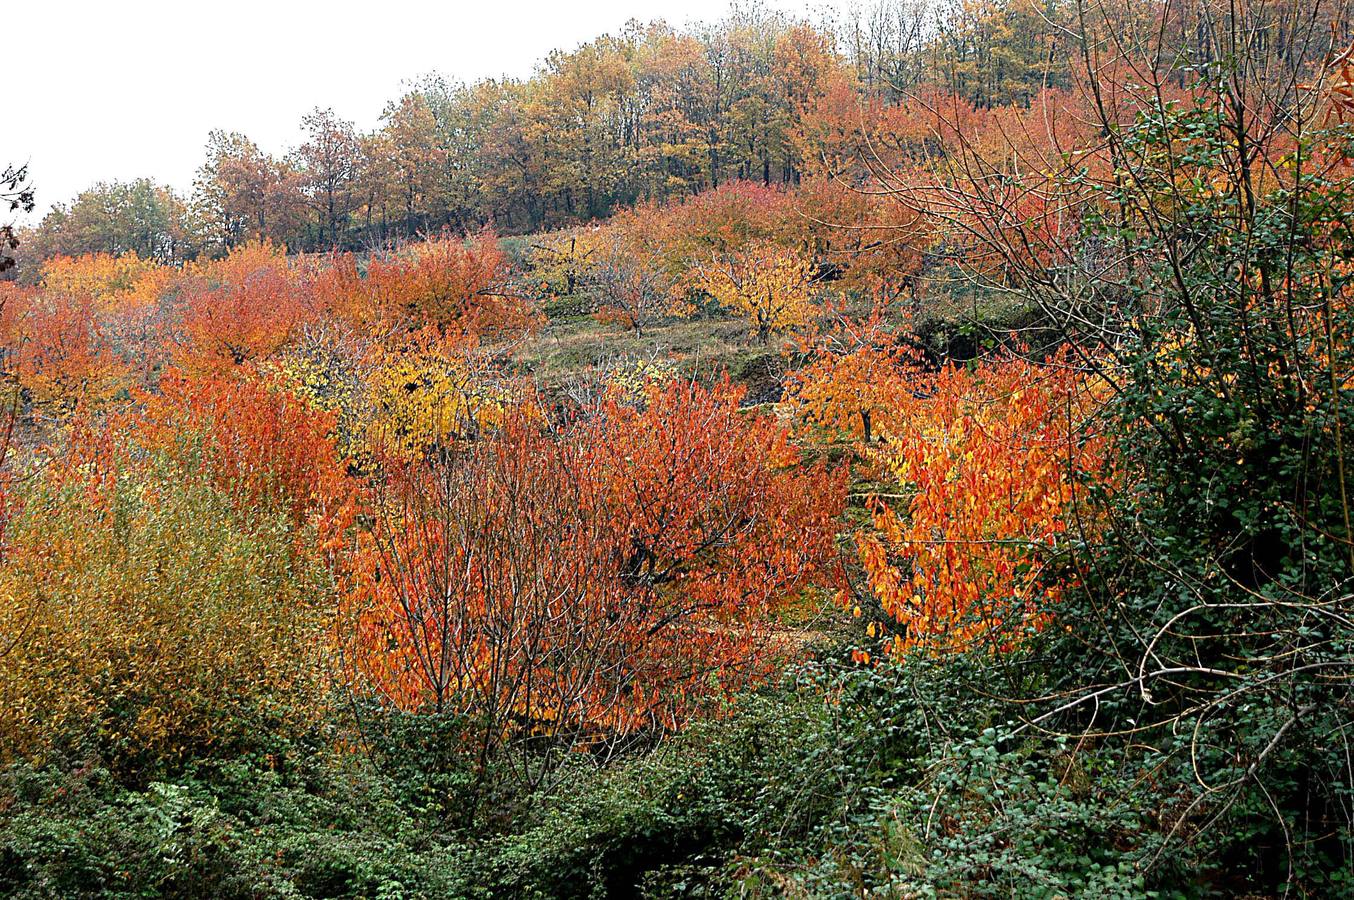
(316, 828)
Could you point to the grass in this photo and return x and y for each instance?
(708, 342)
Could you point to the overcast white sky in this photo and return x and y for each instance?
(121, 90)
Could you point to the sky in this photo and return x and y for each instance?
(129, 89)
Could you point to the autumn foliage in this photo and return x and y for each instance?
(590, 582)
(253, 442)
(996, 461)
(239, 310)
(942, 412)
(767, 284)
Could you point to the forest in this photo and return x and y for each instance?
(893, 456)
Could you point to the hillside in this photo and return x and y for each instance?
(896, 459)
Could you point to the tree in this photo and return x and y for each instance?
(621, 285)
(239, 310)
(680, 235)
(998, 53)
(61, 357)
(997, 461)
(560, 590)
(236, 190)
(561, 261)
(767, 284)
(108, 280)
(255, 443)
(630, 290)
(461, 287)
(129, 299)
(853, 383)
(671, 96)
(118, 217)
(419, 158)
(482, 591)
(161, 624)
(431, 391)
(721, 524)
(1190, 248)
(377, 190)
(329, 162)
(462, 118)
(17, 194)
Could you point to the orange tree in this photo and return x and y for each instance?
(481, 592)
(719, 526)
(679, 235)
(108, 280)
(462, 287)
(993, 458)
(570, 588)
(60, 355)
(239, 310)
(853, 380)
(253, 442)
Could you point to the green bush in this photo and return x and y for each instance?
(240, 829)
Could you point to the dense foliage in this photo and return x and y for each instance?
(913, 463)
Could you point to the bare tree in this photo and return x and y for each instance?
(17, 193)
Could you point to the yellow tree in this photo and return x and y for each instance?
(106, 279)
(561, 261)
(430, 392)
(770, 285)
(417, 158)
(854, 380)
